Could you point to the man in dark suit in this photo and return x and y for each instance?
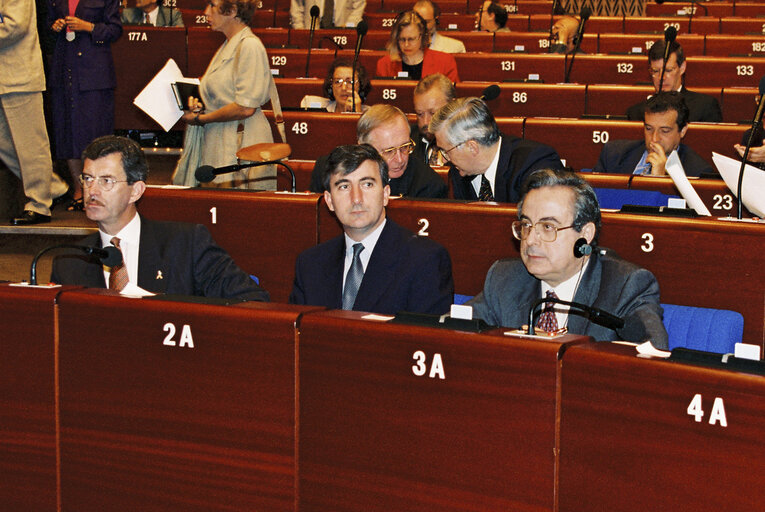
(485, 164)
(664, 126)
(558, 226)
(159, 257)
(702, 107)
(375, 265)
(149, 12)
(386, 129)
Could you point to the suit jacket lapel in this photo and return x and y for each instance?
(151, 274)
(380, 270)
(586, 293)
(503, 169)
(94, 274)
(333, 274)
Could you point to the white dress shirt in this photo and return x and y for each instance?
(130, 237)
(369, 245)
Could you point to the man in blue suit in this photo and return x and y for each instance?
(149, 12)
(375, 265)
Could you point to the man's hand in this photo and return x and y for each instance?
(756, 154)
(657, 158)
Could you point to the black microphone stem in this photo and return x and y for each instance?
(583, 17)
(310, 45)
(276, 3)
(755, 123)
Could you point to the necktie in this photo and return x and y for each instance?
(547, 320)
(434, 158)
(485, 193)
(146, 19)
(354, 277)
(327, 18)
(118, 277)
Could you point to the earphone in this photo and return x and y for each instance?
(582, 248)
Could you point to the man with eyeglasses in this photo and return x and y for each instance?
(386, 128)
(664, 126)
(159, 257)
(702, 107)
(376, 265)
(558, 226)
(485, 165)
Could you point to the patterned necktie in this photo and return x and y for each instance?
(547, 320)
(434, 158)
(485, 193)
(354, 277)
(118, 276)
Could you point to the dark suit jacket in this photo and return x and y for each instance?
(166, 17)
(517, 159)
(702, 108)
(93, 66)
(418, 180)
(189, 261)
(405, 273)
(622, 156)
(609, 283)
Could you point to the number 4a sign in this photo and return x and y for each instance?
(716, 416)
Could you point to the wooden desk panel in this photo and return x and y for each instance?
(629, 444)
(251, 226)
(609, 69)
(313, 134)
(742, 25)
(498, 67)
(139, 55)
(292, 90)
(614, 100)
(595, 25)
(738, 104)
(717, 9)
(202, 43)
(290, 62)
(536, 42)
(374, 436)
(729, 45)
(517, 99)
(726, 71)
(699, 25)
(627, 43)
(27, 399)
(150, 423)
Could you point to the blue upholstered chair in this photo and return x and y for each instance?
(614, 198)
(711, 330)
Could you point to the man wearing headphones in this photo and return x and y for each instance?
(559, 220)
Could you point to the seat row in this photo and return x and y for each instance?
(113, 403)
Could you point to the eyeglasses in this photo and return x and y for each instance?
(445, 152)
(409, 40)
(546, 231)
(403, 149)
(343, 81)
(105, 183)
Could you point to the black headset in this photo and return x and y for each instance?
(582, 248)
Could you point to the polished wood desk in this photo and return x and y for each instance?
(521, 99)
(396, 417)
(697, 262)
(629, 442)
(27, 398)
(174, 405)
(624, 43)
(262, 231)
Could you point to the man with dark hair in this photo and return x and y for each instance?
(375, 265)
(159, 257)
(492, 17)
(756, 154)
(558, 224)
(430, 94)
(149, 12)
(664, 126)
(485, 164)
(701, 107)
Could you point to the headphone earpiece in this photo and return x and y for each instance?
(582, 248)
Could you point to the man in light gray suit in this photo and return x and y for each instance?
(558, 226)
(344, 13)
(24, 145)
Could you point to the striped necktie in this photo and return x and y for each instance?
(118, 276)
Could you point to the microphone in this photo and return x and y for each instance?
(314, 19)
(552, 20)
(669, 37)
(491, 92)
(361, 31)
(595, 315)
(336, 45)
(207, 173)
(480, 14)
(755, 125)
(584, 15)
(110, 256)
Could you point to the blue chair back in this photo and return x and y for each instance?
(711, 330)
(614, 198)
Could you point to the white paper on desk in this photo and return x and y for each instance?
(677, 173)
(135, 291)
(157, 98)
(753, 188)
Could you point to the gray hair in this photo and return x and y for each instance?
(586, 206)
(375, 116)
(466, 119)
